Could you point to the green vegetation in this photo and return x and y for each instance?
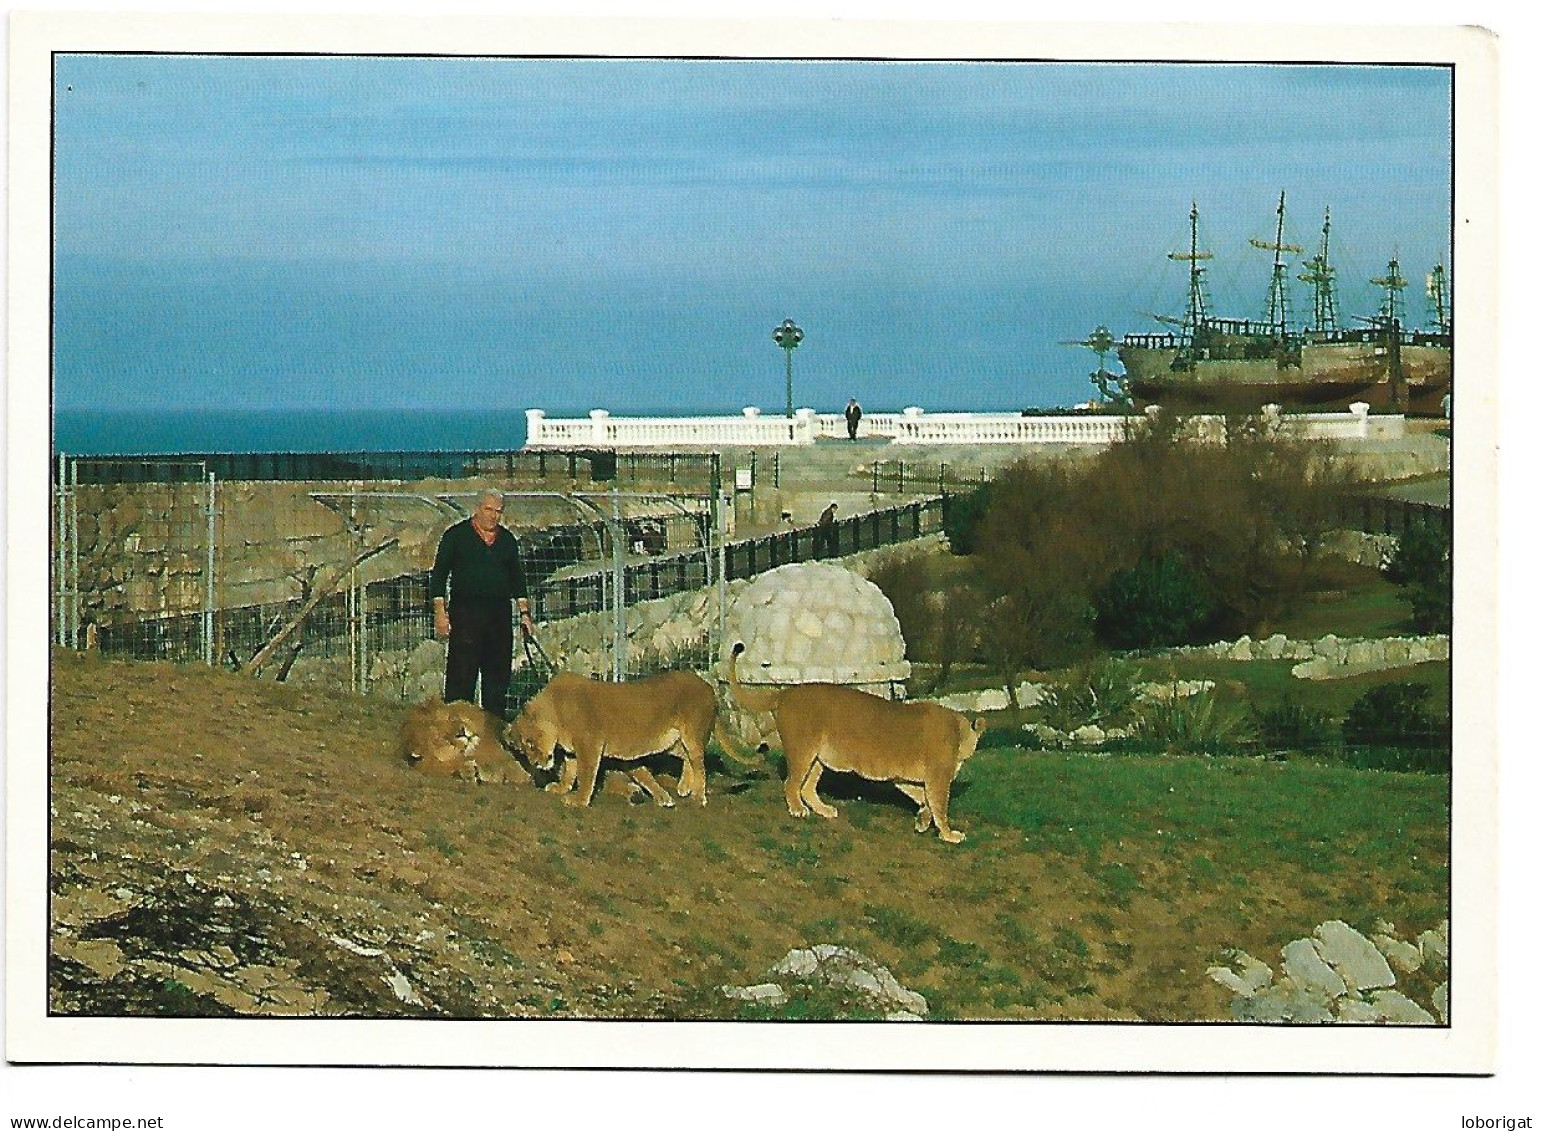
(1421, 566)
(1157, 602)
(1163, 539)
(1095, 694)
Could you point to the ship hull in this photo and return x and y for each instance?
(1330, 375)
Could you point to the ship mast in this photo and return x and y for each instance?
(1436, 288)
(1319, 274)
(1392, 302)
(1279, 313)
(1198, 306)
(1390, 320)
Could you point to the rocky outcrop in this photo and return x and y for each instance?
(859, 985)
(1340, 976)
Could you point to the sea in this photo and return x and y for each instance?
(90, 433)
(79, 432)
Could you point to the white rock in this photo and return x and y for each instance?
(1354, 1011)
(1433, 948)
(403, 988)
(1305, 967)
(1397, 1009)
(1403, 956)
(1353, 956)
(766, 993)
(1255, 975)
(797, 964)
(1441, 999)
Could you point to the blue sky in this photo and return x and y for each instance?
(311, 233)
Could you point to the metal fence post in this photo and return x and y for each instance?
(74, 570)
(618, 584)
(208, 569)
(59, 552)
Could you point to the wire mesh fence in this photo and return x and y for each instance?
(158, 559)
(133, 565)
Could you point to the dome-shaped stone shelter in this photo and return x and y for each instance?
(813, 622)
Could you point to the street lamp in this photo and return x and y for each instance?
(787, 335)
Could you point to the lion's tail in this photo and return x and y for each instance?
(732, 747)
(751, 699)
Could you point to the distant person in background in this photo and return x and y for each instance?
(853, 417)
(824, 533)
(479, 561)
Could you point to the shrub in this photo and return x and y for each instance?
(1394, 714)
(961, 516)
(938, 610)
(1155, 603)
(1421, 552)
(1202, 723)
(1094, 694)
(1291, 725)
(1421, 566)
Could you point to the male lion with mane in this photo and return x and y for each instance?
(458, 740)
(675, 712)
(826, 726)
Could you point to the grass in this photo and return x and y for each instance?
(1351, 601)
(1223, 815)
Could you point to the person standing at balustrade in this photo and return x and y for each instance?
(853, 418)
(478, 562)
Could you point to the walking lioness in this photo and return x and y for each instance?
(825, 726)
(675, 712)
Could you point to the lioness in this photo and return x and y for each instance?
(674, 712)
(825, 726)
(458, 740)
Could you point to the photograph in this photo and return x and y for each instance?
(864, 548)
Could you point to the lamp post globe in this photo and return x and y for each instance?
(787, 335)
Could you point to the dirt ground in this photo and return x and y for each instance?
(222, 846)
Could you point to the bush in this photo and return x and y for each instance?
(1421, 552)
(1421, 566)
(1394, 714)
(1156, 603)
(1291, 725)
(961, 516)
(1091, 695)
(1202, 723)
(937, 608)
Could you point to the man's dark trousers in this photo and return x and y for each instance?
(481, 644)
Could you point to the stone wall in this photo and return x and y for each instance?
(1330, 657)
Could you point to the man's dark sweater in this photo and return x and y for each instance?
(476, 571)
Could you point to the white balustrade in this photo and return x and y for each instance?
(603, 430)
(913, 426)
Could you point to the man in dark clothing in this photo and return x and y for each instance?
(824, 533)
(480, 561)
(853, 417)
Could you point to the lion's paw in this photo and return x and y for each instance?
(952, 836)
